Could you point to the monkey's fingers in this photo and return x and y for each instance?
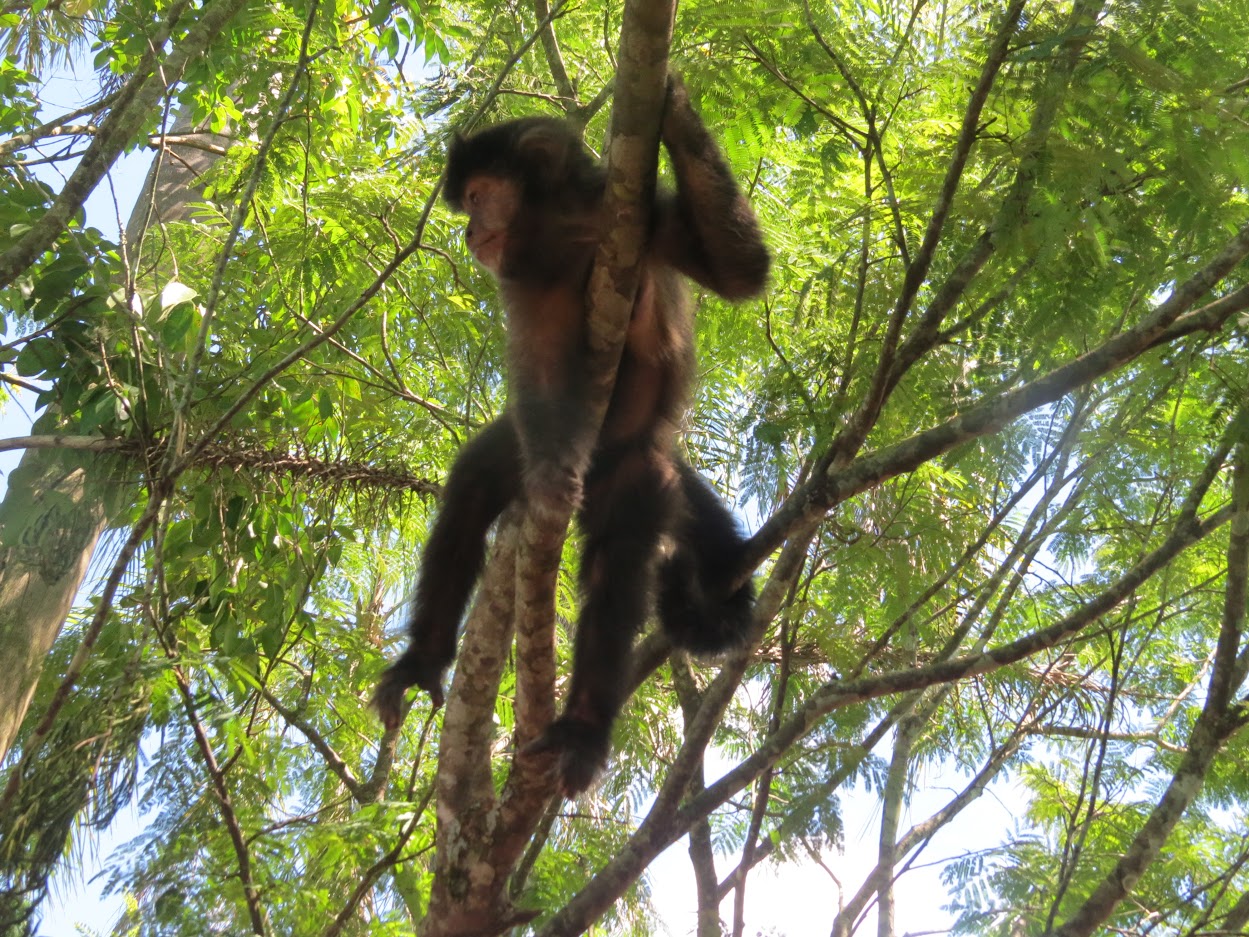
(405, 672)
(674, 91)
(681, 127)
(388, 700)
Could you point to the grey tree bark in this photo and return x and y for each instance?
(56, 507)
(50, 520)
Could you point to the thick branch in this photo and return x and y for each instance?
(60, 441)
(1032, 163)
(632, 161)
(480, 839)
(249, 458)
(917, 272)
(57, 127)
(554, 60)
(463, 900)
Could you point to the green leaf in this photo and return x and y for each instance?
(40, 356)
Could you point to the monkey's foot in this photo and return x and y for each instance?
(408, 670)
(581, 748)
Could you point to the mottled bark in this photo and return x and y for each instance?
(476, 848)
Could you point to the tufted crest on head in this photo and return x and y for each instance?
(543, 155)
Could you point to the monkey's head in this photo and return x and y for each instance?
(517, 170)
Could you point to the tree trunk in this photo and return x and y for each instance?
(891, 817)
(55, 509)
(481, 836)
(50, 520)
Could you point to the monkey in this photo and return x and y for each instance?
(533, 194)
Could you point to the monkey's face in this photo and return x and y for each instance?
(491, 202)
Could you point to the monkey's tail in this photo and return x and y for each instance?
(696, 614)
(696, 608)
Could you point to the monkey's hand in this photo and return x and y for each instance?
(409, 670)
(582, 750)
(555, 450)
(682, 129)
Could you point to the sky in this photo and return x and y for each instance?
(801, 899)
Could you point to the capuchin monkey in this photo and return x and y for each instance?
(534, 194)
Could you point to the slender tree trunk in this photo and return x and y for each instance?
(55, 508)
(702, 853)
(50, 520)
(481, 835)
(891, 817)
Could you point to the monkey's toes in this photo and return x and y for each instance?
(408, 670)
(582, 749)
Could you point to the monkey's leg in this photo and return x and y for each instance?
(697, 606)
(483, 480)
(629, 502)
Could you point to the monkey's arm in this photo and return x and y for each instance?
(707, 230)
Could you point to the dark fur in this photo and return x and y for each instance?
(533, 193)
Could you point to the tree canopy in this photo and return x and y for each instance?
(987, 428)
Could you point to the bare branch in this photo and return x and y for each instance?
(559, 74)
(60, 126)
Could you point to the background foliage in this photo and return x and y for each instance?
(991, 412)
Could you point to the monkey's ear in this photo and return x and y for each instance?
(546, 147)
